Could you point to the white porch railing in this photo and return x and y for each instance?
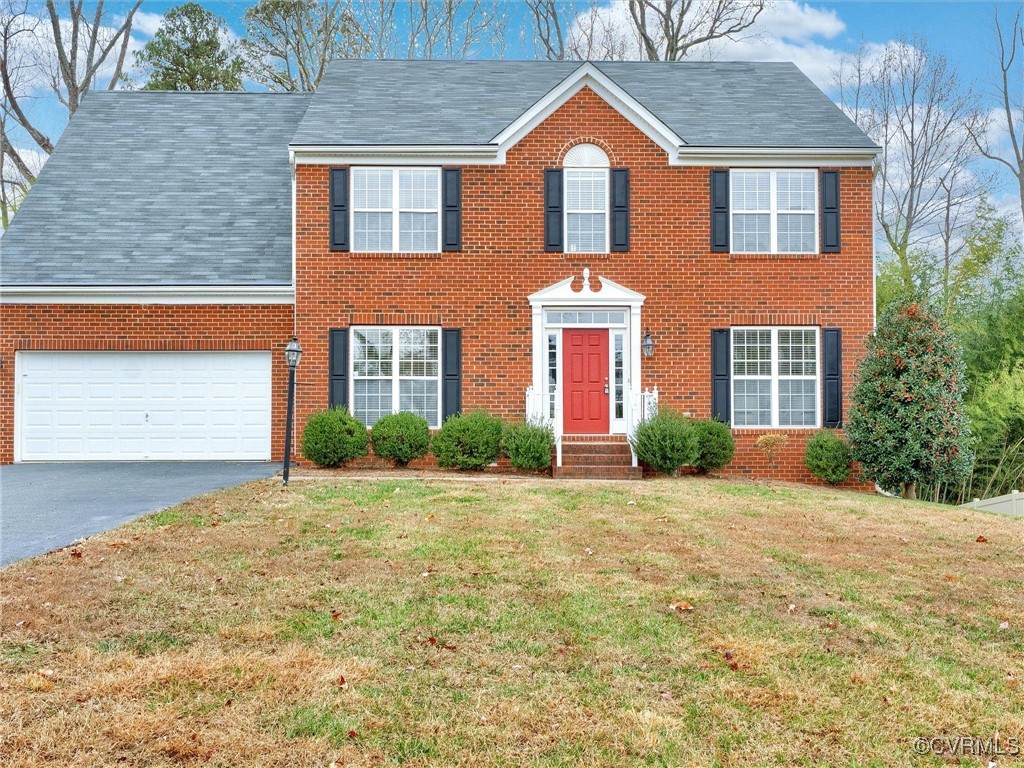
(545, 408)
(642, 406)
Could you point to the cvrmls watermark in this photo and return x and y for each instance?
(969, 746)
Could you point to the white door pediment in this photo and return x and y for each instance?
(611, 293)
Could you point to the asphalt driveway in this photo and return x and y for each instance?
(48, 506)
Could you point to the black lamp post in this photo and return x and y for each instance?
(647, 345)
(292, 355)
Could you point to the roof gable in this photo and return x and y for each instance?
(589, 76)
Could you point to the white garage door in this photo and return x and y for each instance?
(109, 406)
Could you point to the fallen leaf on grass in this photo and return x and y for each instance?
(981, 540)
(951, 577)
(335, 615)
(680, 607)
(1004, 625)
(430, 516)
(791, 608)
(662, 519)
(76, 553)
(342, 682)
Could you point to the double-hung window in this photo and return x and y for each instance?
(775, 377)
(586, 210)
(396, 369)
(774, 211)
(396, 209)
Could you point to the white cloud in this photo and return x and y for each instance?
(787, 30)
(146, 24)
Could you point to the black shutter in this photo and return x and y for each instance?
(339, 209)
(337, 364)
(720, 374)
(553, 209)
(720, 210)
(451, 189)
(620, 209)
(451, 372)
(830, 212)
(832, 379)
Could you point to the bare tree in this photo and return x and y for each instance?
(910, 102)
(66, 55)
(455, 29)
(657, 30)
(289, 43)
(1010, 90)
(668, 29)
(431, 29)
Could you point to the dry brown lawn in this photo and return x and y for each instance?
(517, 623)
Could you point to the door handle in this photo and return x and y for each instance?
(606, 389)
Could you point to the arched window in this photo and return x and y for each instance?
(586, 199)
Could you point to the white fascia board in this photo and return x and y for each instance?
(144, 294)
(399, 154)
(775, 157)
(589, 76)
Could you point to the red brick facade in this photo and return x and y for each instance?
(483, 289)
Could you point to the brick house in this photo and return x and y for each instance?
(577, 243)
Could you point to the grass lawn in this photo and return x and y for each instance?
(517, 623)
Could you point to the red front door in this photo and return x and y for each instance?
(585, 364)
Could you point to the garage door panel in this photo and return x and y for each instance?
(143, 405)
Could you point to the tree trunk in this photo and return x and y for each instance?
(910, 491)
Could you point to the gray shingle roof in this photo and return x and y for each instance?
(719, 104)
(149, 188)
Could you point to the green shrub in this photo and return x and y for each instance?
(471, 441)
(828, 457)
(401, 437)
(665, 443)
(528, 446)
(715, 446)
(333, 437)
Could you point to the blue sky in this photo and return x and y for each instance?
(814, 35)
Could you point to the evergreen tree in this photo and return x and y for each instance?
(190, 52)
(907, 419)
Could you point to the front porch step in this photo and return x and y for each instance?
(592, 458)
(598, 473)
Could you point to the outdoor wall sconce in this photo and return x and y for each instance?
(647, 345)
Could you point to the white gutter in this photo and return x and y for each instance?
(147, 294)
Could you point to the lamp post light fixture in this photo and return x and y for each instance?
(292, 355)
(647, 345)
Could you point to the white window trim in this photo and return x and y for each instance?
(774, 378)
(396, 211)
(773, 210)
(607, 207)
(396, 379)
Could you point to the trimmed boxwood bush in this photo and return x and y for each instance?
(828, 457)
(401, 437)
(715, 447)
(665, 443)
(471, 441)
(528, 446)
(333, 437)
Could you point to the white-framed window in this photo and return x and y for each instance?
(587, 199)
(396, 210)
(776, 377)
(774, 211)
(396, 369)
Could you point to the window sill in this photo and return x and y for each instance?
(395, 254)
(756, 431)
(771, 256)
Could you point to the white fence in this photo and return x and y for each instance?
(1010, 504)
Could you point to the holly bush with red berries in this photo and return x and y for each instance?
(907, 422)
